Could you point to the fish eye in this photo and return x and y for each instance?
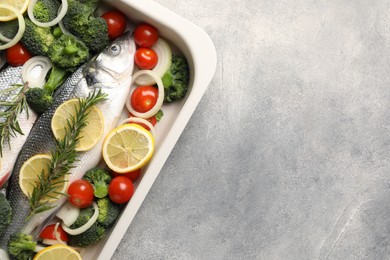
(114, 49)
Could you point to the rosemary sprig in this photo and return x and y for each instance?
(9, 125)
(63, 155)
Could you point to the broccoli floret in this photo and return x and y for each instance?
(176, 79)
(37, 39)
(84, 216)
(5, 214)
(67, 52)
(108, 212)
(9, 29)
(40, 99)
(91, 236)
(99, 178)
(81, 22)
(21, 246)
(46, 10)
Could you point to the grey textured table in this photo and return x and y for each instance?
(287, 154)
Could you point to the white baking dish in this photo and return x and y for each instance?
(200, 52)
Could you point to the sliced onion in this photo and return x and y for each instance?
(160, 98)
(22, 27)
(4, 39)
(164, 53)
(61, 13)
(57, 234)
(139, 120)
(51, 242)
(3, 61)
(86, 226)
(68, 214)
(29, 75)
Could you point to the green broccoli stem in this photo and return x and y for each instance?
(56, 78)
(70, 49)
(101, 189)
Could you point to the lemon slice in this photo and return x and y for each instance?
(58, 252)
(89, 135)
(31, 169)
(7, 15)
(128, 148)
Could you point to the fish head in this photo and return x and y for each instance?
(113, 65)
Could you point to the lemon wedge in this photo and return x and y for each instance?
(127, 148)
(31, 169)
(7, 15)
(89, 135)
(58, 251)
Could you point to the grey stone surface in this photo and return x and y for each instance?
(287, 154)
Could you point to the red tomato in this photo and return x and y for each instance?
(145, 58)
(81, 193)
(48, 233)
(120, 190)
(116, 22)
(143, 98)
(133, 176)
(17, 55)
(145, 35)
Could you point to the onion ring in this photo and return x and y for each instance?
(22, 27)
(36, 82)
(164, 53)
(61, 13)
(160, 98)
(86, 226)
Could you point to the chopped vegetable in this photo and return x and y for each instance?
(159, 115)
(176, 80)
(46, 10)
(121, 189)
(49, 233)
(67, 52)
(85, 216)
(81, 22)
(81, 193)
(99, 178)
(91, 236)
(116, 22)
(68, 214)
(160, 98)
(108, 212)
(37, 39)
(5, 214)
(40, 99)
(145, 35)
(145, 58)
(21, 246)
(17, 55)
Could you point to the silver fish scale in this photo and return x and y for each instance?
(8, 77)
(38, 142)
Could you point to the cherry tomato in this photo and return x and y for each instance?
(17, 55)
(145, 35)
(133, 176)
(143, 98)
(120, 189)
(81, 193)
(145, 58)
(116, 22)
(48, 233)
